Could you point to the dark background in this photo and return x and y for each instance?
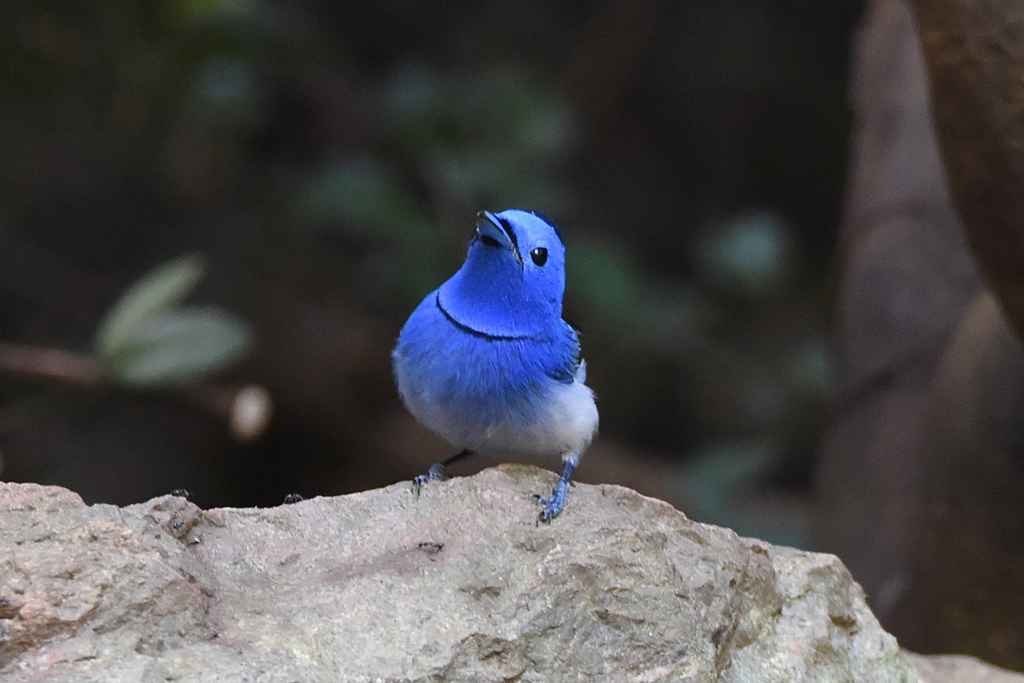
(328, 160)
(782, 320)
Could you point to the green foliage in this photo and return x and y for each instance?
(159, 291)
(178, 347)
(148, 339)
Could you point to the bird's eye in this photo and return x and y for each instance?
(539, 255)
(489, 241)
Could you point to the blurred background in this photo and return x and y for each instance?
(326, 161)
(215, 216)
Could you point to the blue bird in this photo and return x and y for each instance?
(486, 360)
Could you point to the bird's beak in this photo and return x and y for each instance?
(500, 231)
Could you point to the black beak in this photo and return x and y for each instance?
(500, 231)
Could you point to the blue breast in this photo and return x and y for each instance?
(479, 377)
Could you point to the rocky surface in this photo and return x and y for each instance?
(459, 584)
(959, 669)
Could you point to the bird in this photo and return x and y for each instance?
(487, 362)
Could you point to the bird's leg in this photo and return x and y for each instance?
(557, 500)
(439, 470)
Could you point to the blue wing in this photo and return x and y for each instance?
(565, 356)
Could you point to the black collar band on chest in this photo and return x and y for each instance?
(476, 333)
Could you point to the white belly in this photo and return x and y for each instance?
(565, 425)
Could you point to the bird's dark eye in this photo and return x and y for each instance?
(489, 241)
(539, 255)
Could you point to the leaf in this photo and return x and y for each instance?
(155, 294)
(180, 346)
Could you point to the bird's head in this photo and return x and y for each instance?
(512, 281)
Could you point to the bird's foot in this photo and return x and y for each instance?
(437, 472)
(556, 502)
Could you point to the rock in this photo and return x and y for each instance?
(459, 584)
(959, 669)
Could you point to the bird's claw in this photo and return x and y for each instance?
(436, 472)
(418, 482)
(555, 503)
